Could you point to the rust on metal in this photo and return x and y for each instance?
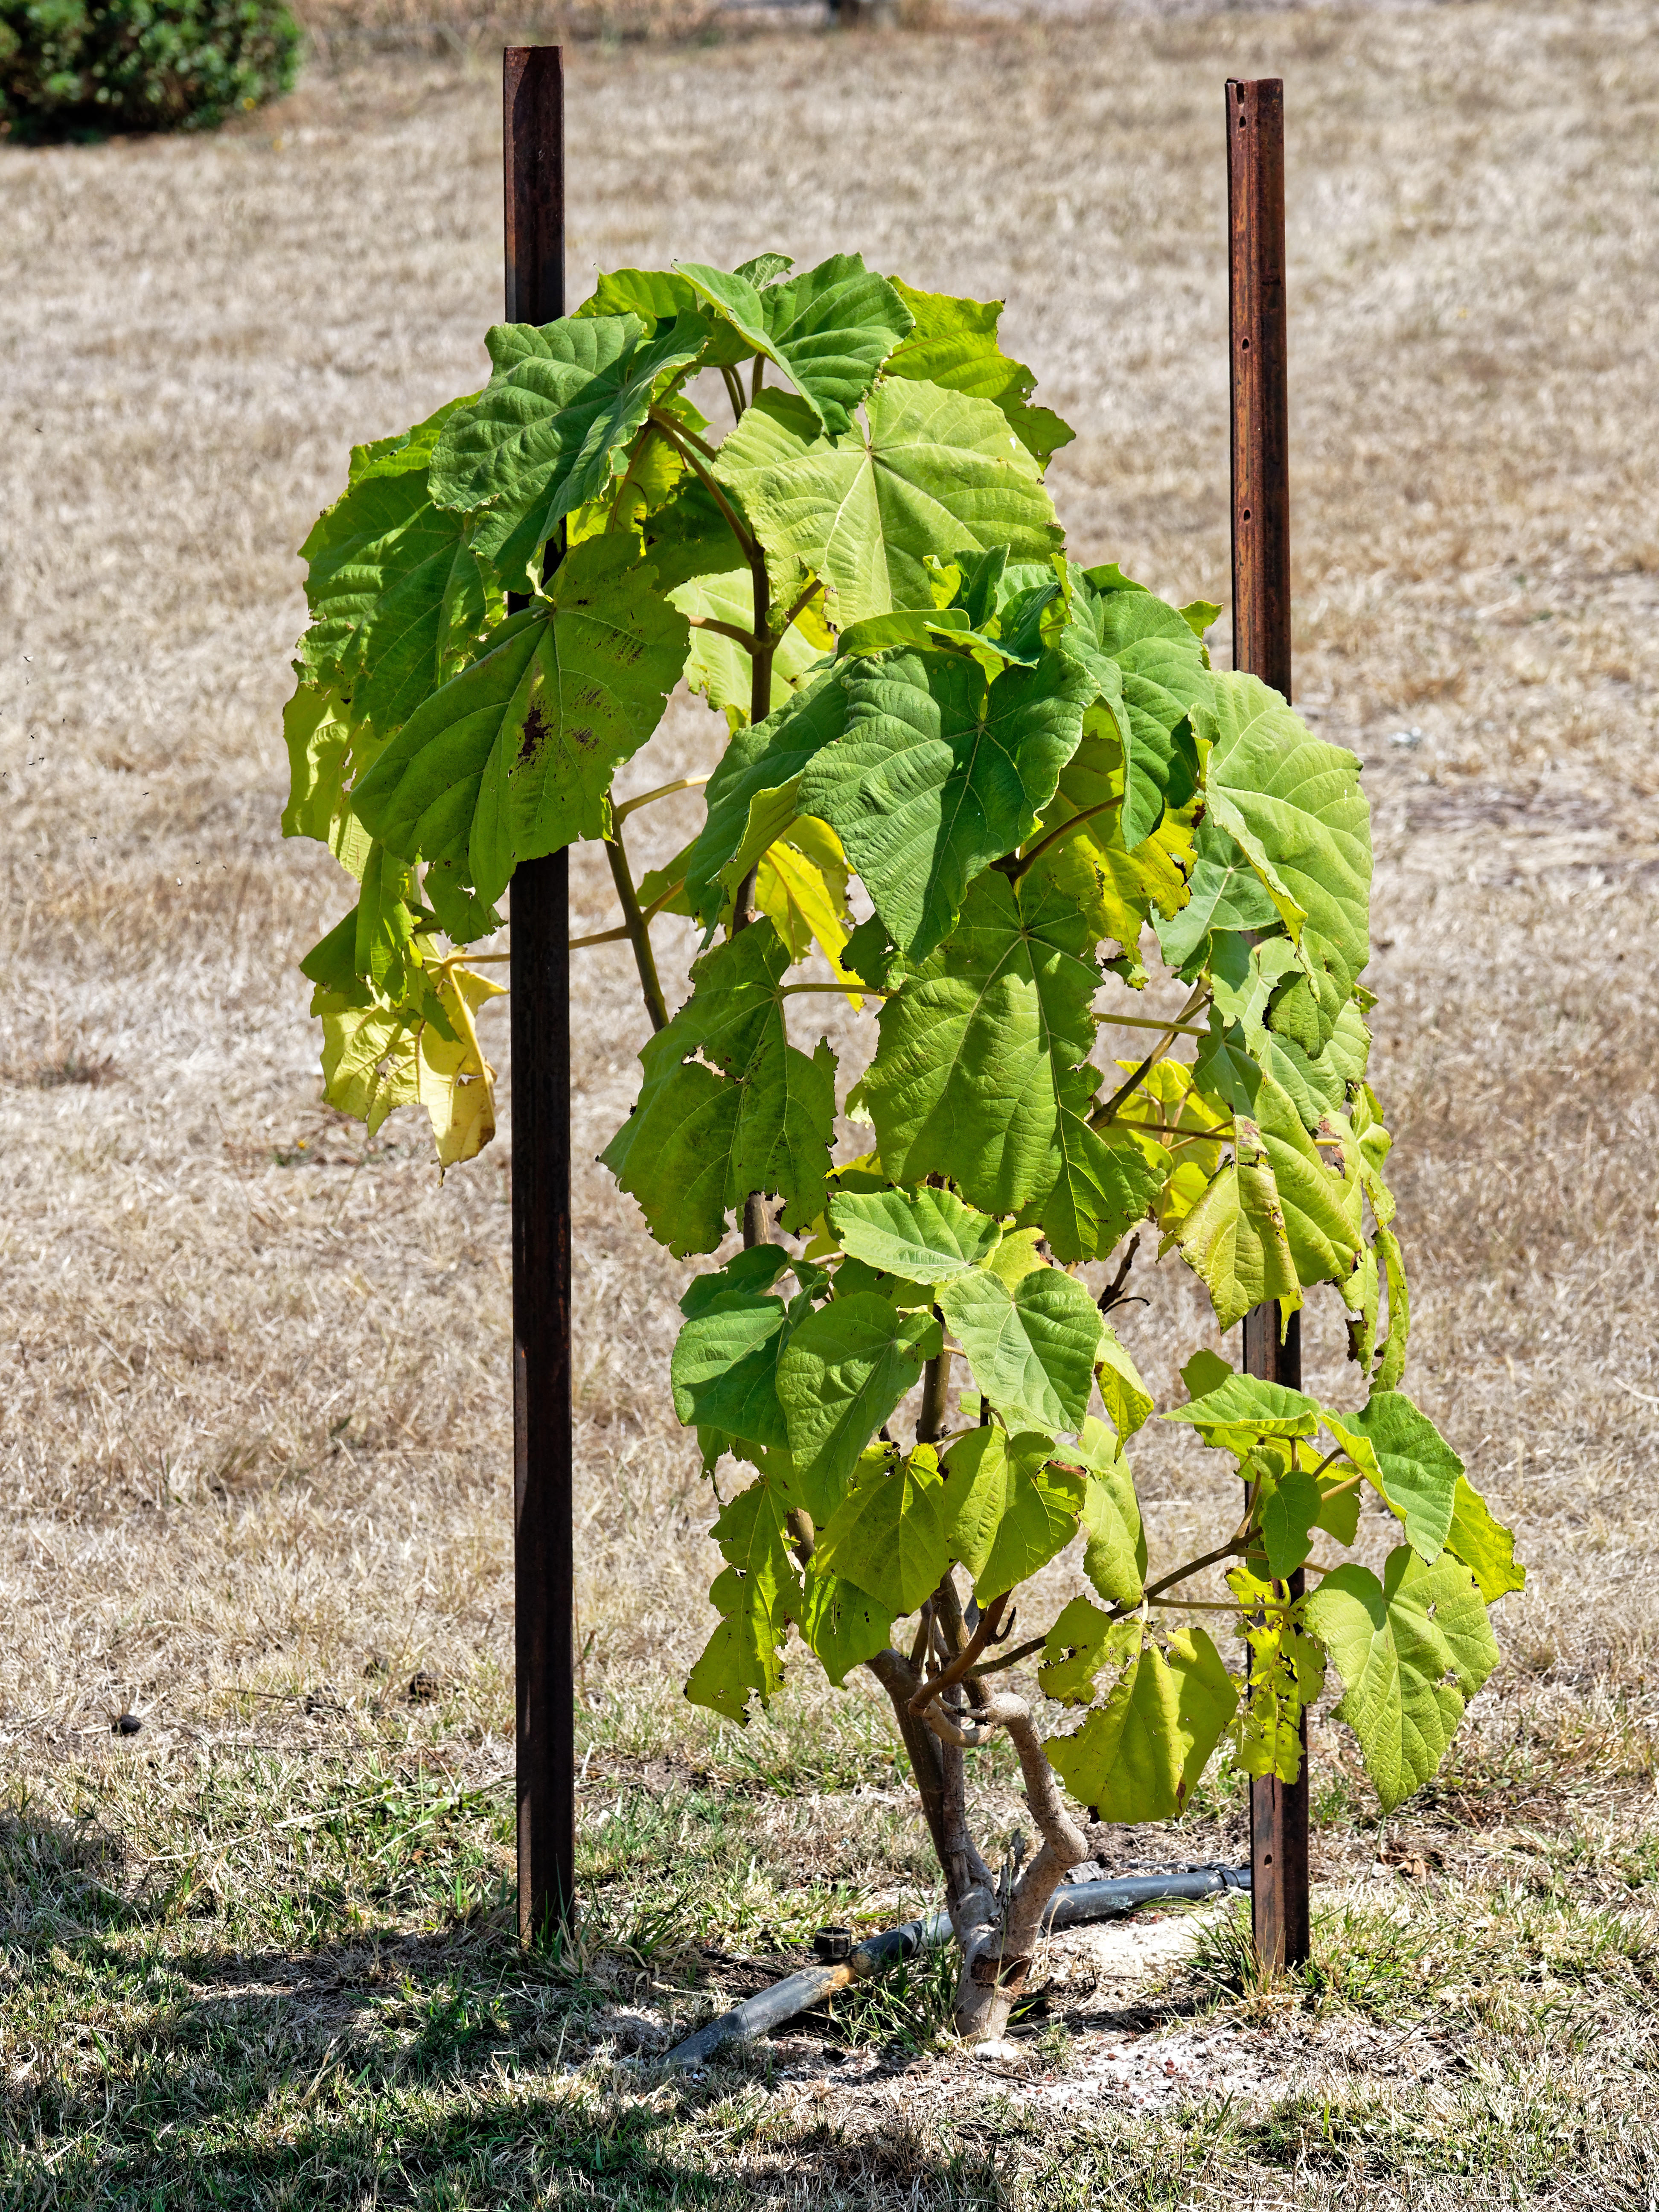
(1262, 645)
(532, 115)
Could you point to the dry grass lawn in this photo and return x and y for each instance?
(255, 1448)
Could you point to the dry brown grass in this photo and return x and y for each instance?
(256, 1416)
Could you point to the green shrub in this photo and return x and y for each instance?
(69, 68)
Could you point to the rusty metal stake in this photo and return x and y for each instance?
(1262, 644)
(533, 113)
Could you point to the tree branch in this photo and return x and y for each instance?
(949, 1676)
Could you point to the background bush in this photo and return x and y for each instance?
(72, 70)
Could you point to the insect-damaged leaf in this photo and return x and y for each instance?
(954, 345)
(513, 757)
(1412, 1650)
(756, 1596)
(1137, 1757)
(750, 1113)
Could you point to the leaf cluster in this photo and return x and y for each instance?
(1004, 804)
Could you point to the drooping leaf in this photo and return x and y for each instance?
(1291, 1506)
(862, 509)
(840, 1623)
(1032, 1348)
(515, 755)
(1127, 1400)
(752, 1272)
(1007, 1510)
(954, 345)
(756, 1596)
(1233, 1239)
(924, 1236)
(552, 428)
(937, 773)
(1412, 1650)
(800, 883)
(453, 1080)
(1392, 1365)
(1237, 1409)
(750, 1113)
(1294, 806)
(1286, 1672)
(724, 1372)
(887, 1536)
(1161, 683)
(982, 1047)
(1484, 1545)
(841, 1374)
(829, 329)
(1115, 1541)
(752, 795)
(1138, 1757)
(1408, 1462)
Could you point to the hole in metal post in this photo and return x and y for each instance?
(1245, 515)
(1245, 343)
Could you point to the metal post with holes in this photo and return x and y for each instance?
(1262, 644)
(533, 114)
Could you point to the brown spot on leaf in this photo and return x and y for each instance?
(535, 735)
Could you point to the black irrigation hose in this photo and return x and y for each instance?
(1071, 1905)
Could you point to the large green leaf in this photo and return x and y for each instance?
(937, 774)
(1408, 1462)
(1032, 1347)
(922, 1236)
(841, 1374)
(757, 1595)
(1162, 682)
(829, 329)
(887, 1536)
(1234, 1241)
(552, 427)
(931, 469)
(1225, 894)
(984, 1047)
(1294, 806)
(1115, 1541)
(1412, 1650)
(750, 1113)
(1008, 1510)
(724, 1372)
(954, 345)
(1138, 1757)
(514, 756)
(1237, 1410)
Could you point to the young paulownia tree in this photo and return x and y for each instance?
(1058, 818)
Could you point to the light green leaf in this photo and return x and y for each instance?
(887, 1536)
(750, 1113)
(756, 1596)
(924, 1235)
(841, 1625)
(327, 746)
(1107, 1179)
(1237, 1409)
(1115, 1546)
(1233, 1239)
(1408, 1461)
(1411, 1651)
(829, 329)
(1392, 1366)
(937, 774)
(1007, 1511)
(515, 755)
(1483, 1544)
(932, 468)
(724, 1368)
(841, 1374)
(552, 428)
(1138, 1757)
(1294, 805)
(1287, 1670)
(954, 345)
(1225, 898)
(1127, 1400)
(717, 666)
(1081, 1642)
(1291, 1506)
(1032, 1349)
